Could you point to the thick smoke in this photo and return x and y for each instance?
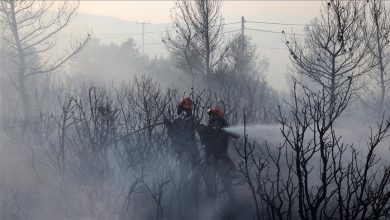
(82, 133)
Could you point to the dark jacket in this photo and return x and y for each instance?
(181, 131)
(216, 141)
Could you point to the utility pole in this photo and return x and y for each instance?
(242, 26)
(143, 33)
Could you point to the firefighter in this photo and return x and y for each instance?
(217, 161)
(181, 132)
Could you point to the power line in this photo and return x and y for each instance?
(286, 24)
(150, 32)
(121, 35)
(238, 22)
(136, 33)
(221, 33)
(146, 32)
(274, 32)
(154, 32)
(170, 30)
(114, 35)
(230, 31)
(276, 23)
(124, 35)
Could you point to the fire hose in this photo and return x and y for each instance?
(136, 131)
(231, 134)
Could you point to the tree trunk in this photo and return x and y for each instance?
(381, 70)
(24, 96)
(333, 87)
(22, 64)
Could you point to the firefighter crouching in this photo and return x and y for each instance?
(218, 162)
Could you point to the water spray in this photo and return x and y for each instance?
(259, 132)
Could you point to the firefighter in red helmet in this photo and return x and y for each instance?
(218, 163)
(181, 132)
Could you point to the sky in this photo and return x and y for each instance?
(159, 11)
(269, 45)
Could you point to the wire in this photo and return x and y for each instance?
(277, 23)
(121, 35)
(231, 31)
(274, 32)
(115, 35)
(262, 30)
(222, 33)
(164, 31)
(238, 22)
(124, 35)
(134, 33)
(154, 32)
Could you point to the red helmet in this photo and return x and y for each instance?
(217, 112)
(186, 103)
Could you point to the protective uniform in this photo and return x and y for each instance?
(218, 162)
(181, 132)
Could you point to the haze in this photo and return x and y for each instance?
(269, 44)
(194, 110)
